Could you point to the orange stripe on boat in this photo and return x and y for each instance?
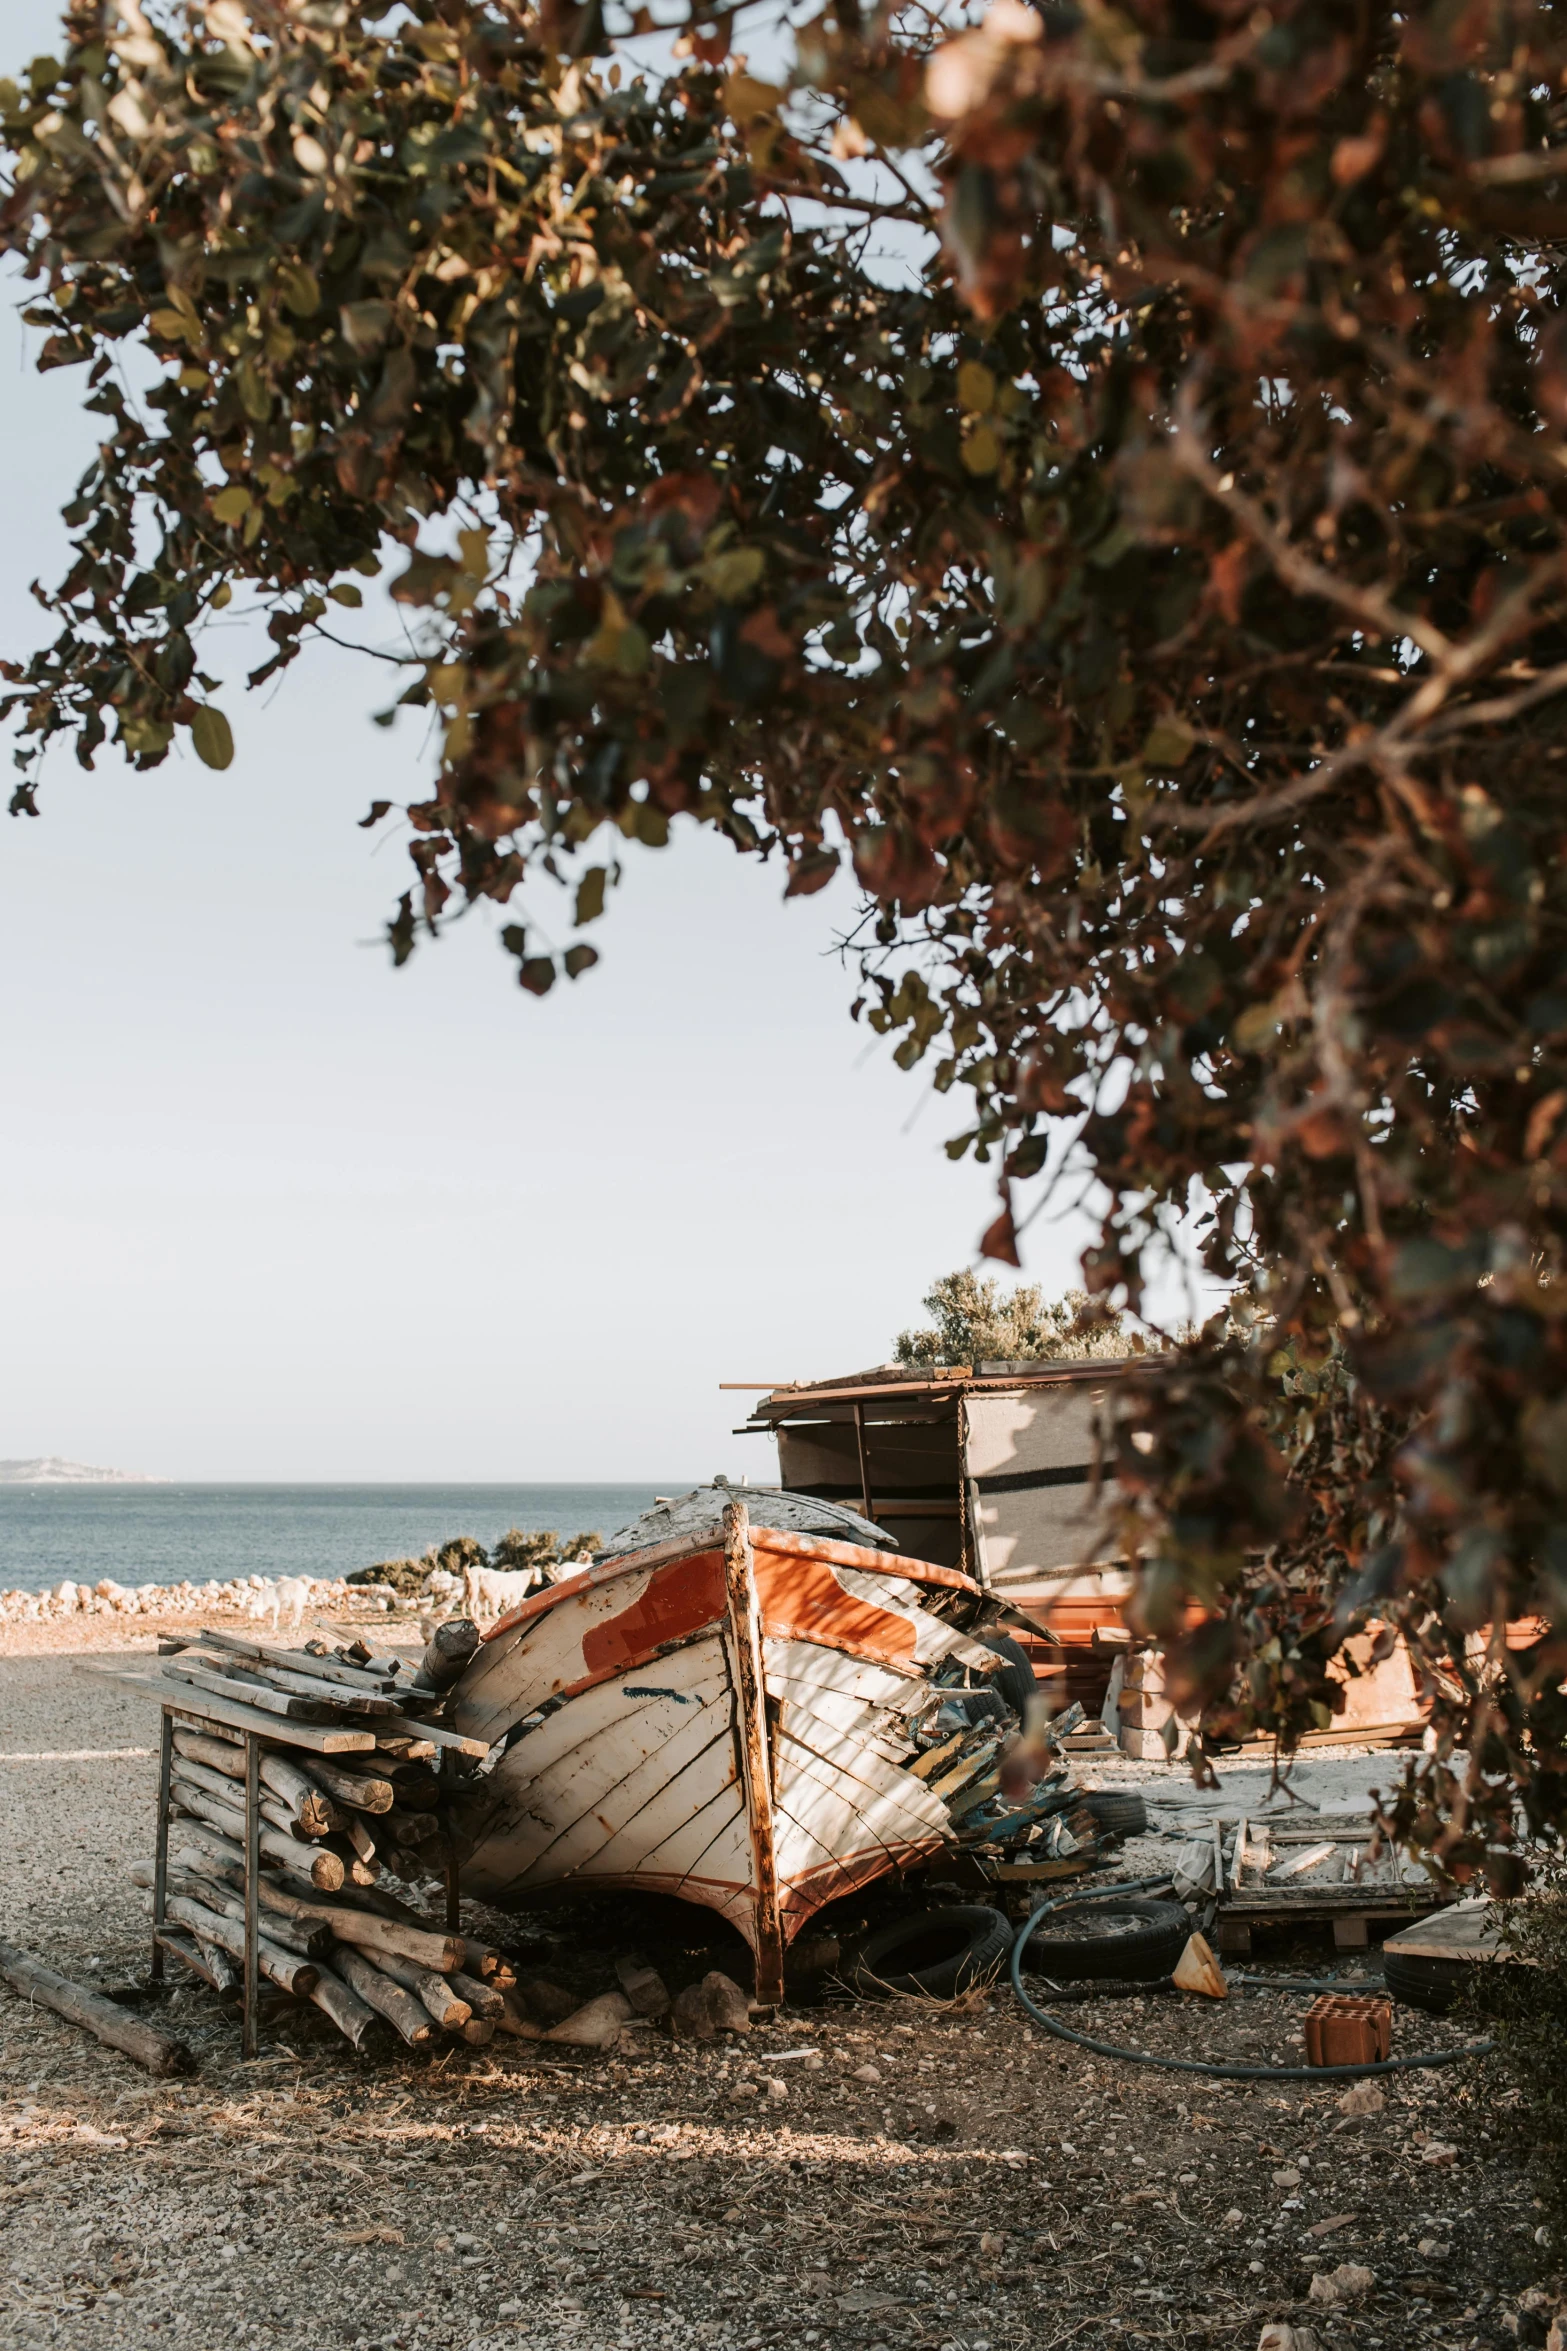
(801, 1599)
(675, 1602)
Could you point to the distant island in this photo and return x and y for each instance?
(47, 1469)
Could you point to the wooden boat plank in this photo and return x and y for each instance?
(804, 1661)
(696, 1674)
(839, 1814)
(889, 1818)
(861, 1723)
(646, 1789)
(686, 1841)
(870, 1778)
(598, 1632)
(537, 1807)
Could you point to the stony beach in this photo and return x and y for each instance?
(851, 2175)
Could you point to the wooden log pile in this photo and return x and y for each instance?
(350, 1790)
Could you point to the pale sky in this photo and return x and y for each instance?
(274, 1211)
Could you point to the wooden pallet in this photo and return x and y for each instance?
(1352, 1911)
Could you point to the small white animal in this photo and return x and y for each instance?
(281, 1603)
(490, 1591)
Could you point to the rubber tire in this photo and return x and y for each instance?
(1146, 1952)
(1118, 1812)
(1436, 1985)
(938, 1953)
(1016, 1681)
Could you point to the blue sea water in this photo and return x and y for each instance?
(160, 1534)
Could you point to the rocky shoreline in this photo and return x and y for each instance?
(253, 1596)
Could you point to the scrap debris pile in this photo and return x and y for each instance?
(1008, 1789)
(356, 1794)
(1231, 1857)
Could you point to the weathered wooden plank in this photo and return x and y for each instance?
(683, 1849)
(696, 1675)
(865, 1774)
(606, 1789)
(887, 1816)
(855, 1677)
(320, 1738)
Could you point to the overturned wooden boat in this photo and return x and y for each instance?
(726, 1714)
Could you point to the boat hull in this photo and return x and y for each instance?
(726, 1718)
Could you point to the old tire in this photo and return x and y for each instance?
(1015, 1681)
(938, 1953)
(1109, 1941)
(1436, 1985)
(1119, 1813)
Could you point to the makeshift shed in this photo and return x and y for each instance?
(988, 1468)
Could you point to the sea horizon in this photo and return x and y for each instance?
(172, 1530)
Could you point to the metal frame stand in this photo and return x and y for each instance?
(161, 1942)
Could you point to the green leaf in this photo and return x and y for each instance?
(579, 959)
(299, 288)
(1168, 743)
(232, 504)
(590, 894)
(212, 735)
(346, 593)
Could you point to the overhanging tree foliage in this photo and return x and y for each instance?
(1161, 600)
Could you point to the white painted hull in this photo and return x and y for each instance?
(638, 1774)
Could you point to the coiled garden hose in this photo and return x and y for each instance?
(1212, 2068)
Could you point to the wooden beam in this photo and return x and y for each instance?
(750, 1688)
(865, 1460)
(320, 1738)
(45, 1986)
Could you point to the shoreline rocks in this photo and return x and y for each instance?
(255, 1596)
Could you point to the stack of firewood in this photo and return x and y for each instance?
(331, 1822)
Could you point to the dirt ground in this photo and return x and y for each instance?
(990, 2188)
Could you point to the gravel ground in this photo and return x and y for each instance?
(990, 2189)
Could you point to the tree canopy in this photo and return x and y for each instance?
(1156, 592)
(975, 1321)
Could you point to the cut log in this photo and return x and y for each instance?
(296, 1975)
(359, 1837)
(324, 1867)
(401, 2010)
(310, 1804)
(308, 1937)
(478, 2032)
(489, 1965)
(189, 1773)
(425, 1984)
(353, 1788)
(351, 2015)
(483, 1999)
(222, 1755)
(302, 1661)
(194, 1846)
(412, 1828)
(365, 1929)
(213, 1966)
(158, 2052)
(447, 1651)
(402, 1747)
(513, 2021)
